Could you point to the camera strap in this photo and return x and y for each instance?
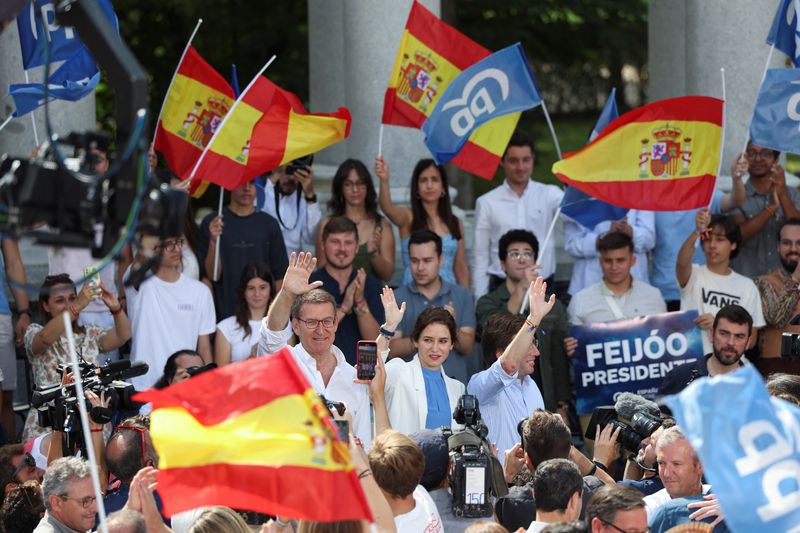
(498, 480)
(277, 194)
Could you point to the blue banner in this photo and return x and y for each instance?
(37, 23)
(631, 355)
(500, 84)
(749, 445)
(776, 115)
(783, 33)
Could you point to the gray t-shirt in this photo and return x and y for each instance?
(759, 255)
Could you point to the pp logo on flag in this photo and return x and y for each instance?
(479, 103)
(792, 105)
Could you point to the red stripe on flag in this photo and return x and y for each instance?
(300, 492)
(182, 153)
(444, 39)
(226, 392)
(477, 160)
(651, 194)
(195, 67)
(398, 113)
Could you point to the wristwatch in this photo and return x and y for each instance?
(311, 199)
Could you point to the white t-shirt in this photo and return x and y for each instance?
(423, 518)
(167, 317)
(241, 345)
(709, 292)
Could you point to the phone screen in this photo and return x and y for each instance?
(343, 430)
(366, 359)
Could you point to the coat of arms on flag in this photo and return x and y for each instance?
(665, 153)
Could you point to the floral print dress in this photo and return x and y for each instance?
(45, 366)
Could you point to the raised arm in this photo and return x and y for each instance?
(735, 198)
(683, 266)
(121, 332)
(15, 271)
(400, 216)
(394, 315)
(295, 283)
(515, 353)
(53, 330)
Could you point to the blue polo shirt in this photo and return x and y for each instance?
(347, 334)
(456, 364)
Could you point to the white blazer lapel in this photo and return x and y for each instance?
(419, 391)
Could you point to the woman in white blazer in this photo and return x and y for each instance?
(419, 394)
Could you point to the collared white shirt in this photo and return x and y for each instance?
(591, 304)
(581, 243)
(340, 386)
(504, 400)
(501, 210)
(299, 221)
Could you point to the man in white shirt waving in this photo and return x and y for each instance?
(313, 320)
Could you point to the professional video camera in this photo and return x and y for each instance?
(636, 417)
(475, 472)
(58, 406)
(80, 208)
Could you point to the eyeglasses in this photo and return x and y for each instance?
(312, 323)
(27, 462)
(141, 435)
(763, 154)
(354, 184)
(171, 245)
(516, 255)
(609, 524)
(85, 502)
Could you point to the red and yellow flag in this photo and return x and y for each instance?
(268, 128)
(663, 156)
(432, 54)
(198, 100)
(244, 436)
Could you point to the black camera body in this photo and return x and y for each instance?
(632, 433)
(473, 474)
(790, 345)
(58, 406)
(301, 163)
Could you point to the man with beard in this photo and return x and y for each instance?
(730, 335)
(289, 197)
(779, 290)
(359, 309)
(767, 201)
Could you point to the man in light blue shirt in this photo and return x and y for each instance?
(505, 391)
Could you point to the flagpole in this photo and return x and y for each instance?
(6, 121)
(76, 372)
(228, 115)
(722, 140)
(552, 130)
(33, 120)
(211, 142)
(380, 141)
(174, 75)
(543, 250)
(761, 83)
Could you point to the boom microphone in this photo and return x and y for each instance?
(137, 368)
(628, 404)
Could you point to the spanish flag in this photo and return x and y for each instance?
(663, 156)
(253, 436)
(432, 54)
(267, 128)
(197, 101)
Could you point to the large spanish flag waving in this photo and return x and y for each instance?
(267, 128)
(663, 156)
(432, 54)
(197, 101)
(254, 436)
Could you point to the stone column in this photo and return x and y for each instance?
(352, 47)
(690, 40)
(17, 137)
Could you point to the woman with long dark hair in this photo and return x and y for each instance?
(237, 335)
(354, 197)
(430, 209)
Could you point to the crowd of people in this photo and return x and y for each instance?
(241, 284)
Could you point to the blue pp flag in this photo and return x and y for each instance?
(497, 85)
(75, 78)
(783, 33)
(579, 206)
(748, 445)
(776, 115)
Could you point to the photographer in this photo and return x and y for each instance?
(641, 470)
(46, 346)
(177, 366)
(506, 391)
